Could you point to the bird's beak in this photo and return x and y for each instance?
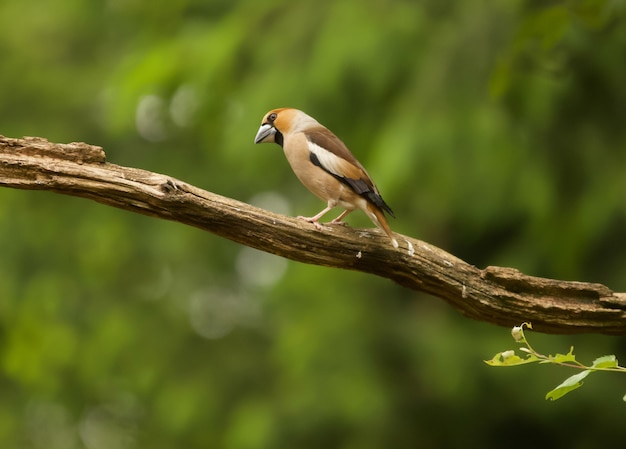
(265, 134)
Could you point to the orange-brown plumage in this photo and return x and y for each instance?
(325, 166)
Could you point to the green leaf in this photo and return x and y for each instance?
(509, 358)
(571, 383)
(564, 358)
(607, 361)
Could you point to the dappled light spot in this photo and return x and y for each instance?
(49, 426)
(112, 425)
(258, 269)
(214, 312)
(150, 118)
(184, 106)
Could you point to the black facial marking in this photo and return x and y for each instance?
(278, 138)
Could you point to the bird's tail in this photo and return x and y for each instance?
(378, 217)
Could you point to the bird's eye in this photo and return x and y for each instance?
(272, 117)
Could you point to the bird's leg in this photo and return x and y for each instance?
(337, 221)
(315, 219)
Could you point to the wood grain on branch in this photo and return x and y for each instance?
(497, 295)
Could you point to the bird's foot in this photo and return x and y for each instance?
(313, 220)
(337, 222)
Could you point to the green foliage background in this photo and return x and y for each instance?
(494, 129)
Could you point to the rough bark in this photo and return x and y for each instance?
(498, 295)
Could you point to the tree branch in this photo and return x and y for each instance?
(497, 295)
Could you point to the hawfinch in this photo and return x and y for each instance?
(325, 166)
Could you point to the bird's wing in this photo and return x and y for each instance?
(330, 154)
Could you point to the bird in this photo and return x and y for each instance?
(325, 165)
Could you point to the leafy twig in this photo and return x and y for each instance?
(510, 358)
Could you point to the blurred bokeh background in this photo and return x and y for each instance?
(495, 130)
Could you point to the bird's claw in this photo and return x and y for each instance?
(338, 223)
(315, 223)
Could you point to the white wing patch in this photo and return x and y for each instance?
(329, 161)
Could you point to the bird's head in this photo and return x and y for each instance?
(279, 122)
